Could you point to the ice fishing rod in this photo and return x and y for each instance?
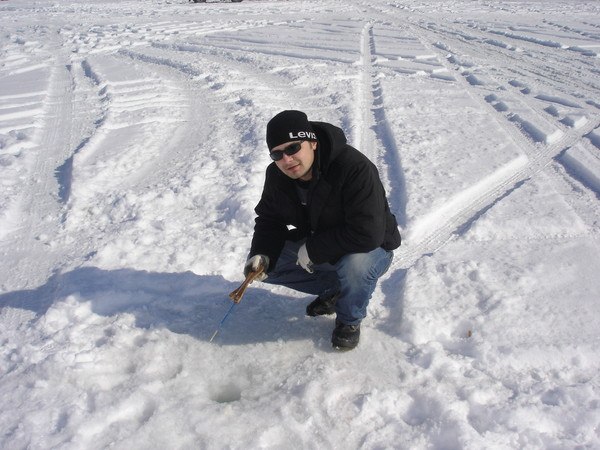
(237, 295)
(222, 322)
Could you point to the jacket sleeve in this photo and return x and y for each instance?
(270, 231)
(364, 217)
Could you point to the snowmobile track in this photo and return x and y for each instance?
(376, 138)
(472, 201)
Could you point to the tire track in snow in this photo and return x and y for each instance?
(101, 39)
(138, 109)
(466, 206)
(438, 227)
(124, 136)
(528, 130)
(528, 110)
(20, 115)
(520, 101)
(88, 91)
(40, 223)
(582, 162)
(375, 136)
(363, 114)
(549, 115)
(556, 73)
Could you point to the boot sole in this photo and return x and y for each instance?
(344, 345)
(327, 313)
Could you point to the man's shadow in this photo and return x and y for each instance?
(184, 303)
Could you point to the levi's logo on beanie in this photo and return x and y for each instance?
(289, 126)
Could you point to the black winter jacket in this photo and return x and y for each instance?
(347, 210)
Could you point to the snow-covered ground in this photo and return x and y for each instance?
(132, 154)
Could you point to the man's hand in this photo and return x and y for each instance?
(254, 264)
(304, 260)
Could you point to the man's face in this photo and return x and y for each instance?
(298, 165)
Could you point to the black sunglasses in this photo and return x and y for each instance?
(290, 150)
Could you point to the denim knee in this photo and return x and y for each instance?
(358, 274)
(360, 267)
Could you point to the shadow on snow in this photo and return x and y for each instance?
(184, 303)
(393, 292)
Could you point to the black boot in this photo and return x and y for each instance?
(345, 337)
(322, 305)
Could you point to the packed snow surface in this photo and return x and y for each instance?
(132, 155)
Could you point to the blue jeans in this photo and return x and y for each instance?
(354, 276)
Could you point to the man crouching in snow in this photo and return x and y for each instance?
(323, 223)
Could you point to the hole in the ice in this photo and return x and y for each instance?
(227, 394)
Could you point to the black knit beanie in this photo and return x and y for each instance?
(289, 126)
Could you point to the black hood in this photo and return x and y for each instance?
(332, 141)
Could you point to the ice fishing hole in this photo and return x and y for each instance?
(227, 394)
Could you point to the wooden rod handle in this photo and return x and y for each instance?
(237, 294)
